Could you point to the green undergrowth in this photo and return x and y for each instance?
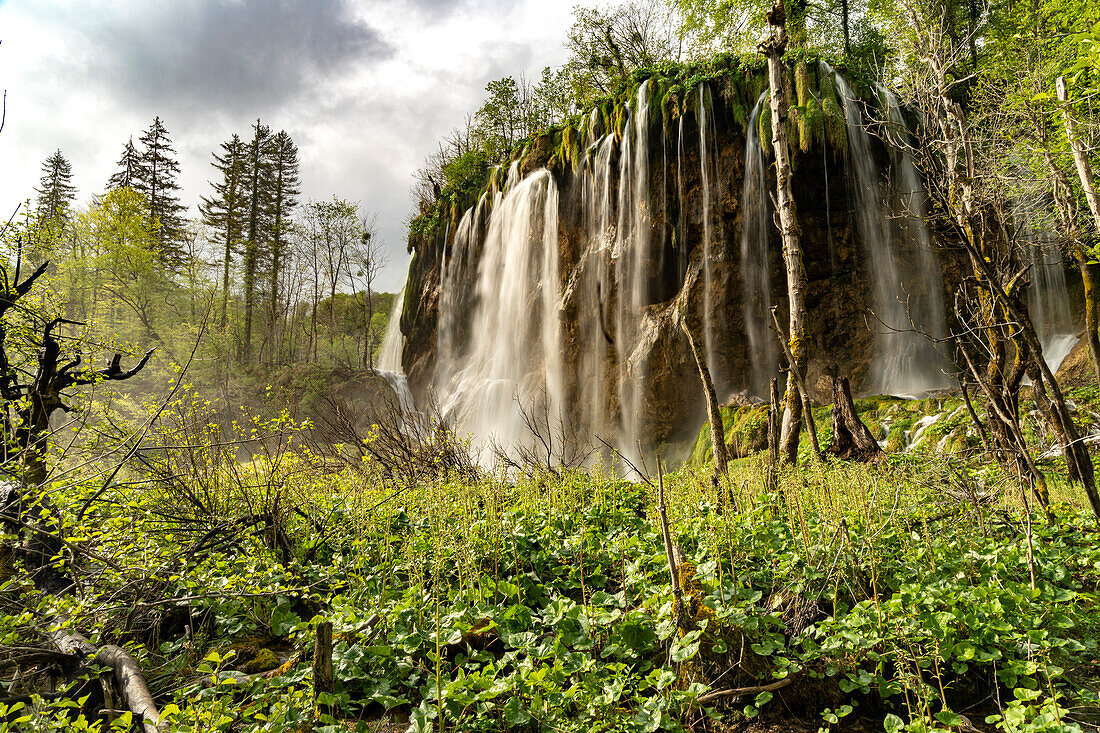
(885, 593)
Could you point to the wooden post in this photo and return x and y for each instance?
(673, 571)
(323, 679)
(773, 435)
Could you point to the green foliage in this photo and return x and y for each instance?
(502, 603)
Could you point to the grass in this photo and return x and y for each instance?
(885, 593)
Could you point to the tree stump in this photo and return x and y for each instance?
(852, 441)
(323, 680)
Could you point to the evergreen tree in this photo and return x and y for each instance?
(128, 168)
(226, 210)
(157, 171)
(284, 192)
(259, 186)
(56, 192)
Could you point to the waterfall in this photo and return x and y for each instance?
(631, 255)
(756, 230)
(590, 290)
(389, 359)
(710, 336)
(906, 361)
(512, 371)
(1048, 298)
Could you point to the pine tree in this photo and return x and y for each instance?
(56, 192)
(226, 210)
(157, 171)
(128, 168)
(259, 186)
(284, 192)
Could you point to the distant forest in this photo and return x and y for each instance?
(259, 278)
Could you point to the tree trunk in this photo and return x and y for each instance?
(1088, 281)
(774, 48)
(773, 434)
(852, 441)
(717, 431)
(131, 682)
(845, 23)
(1080, 155)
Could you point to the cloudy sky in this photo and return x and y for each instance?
(365, 87)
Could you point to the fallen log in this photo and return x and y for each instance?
(852, 441)
(131, 682)
(744, 691)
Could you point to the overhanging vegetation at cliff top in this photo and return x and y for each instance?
(738, 79)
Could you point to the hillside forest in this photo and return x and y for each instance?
(746, 378)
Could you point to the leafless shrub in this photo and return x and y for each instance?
(403, 445)
(554, 445)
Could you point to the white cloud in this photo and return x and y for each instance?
(365, 90)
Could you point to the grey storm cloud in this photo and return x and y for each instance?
(232, 55)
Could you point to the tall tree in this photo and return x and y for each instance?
(774, 47)
(56, 192)
(129, 165)
(258, 182)
(284, 193)
(157, 171)
(995, 335)
(225, 211)
(607, 44)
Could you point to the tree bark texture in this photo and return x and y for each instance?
(773, 48)
(852, 441)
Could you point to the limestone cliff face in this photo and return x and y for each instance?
(839, 295)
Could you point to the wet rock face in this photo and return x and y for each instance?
(839, 326)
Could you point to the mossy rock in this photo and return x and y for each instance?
(897, 440)
(250, 655)
(264, 660)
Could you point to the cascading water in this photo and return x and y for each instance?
(1048, 298)
(909, 309)
(756, 231)
(590, 288)
(708, 173)
(512, 370)
(389, 358)
(631, 255)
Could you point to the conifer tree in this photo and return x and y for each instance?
(56, 192)
(128, 168)
(226, 210)
(259, 186)
(157, 171)
(284, 192)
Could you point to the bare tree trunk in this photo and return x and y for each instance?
(773, 47)
(1080, 155)
(717, 431)
(1080, 159)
